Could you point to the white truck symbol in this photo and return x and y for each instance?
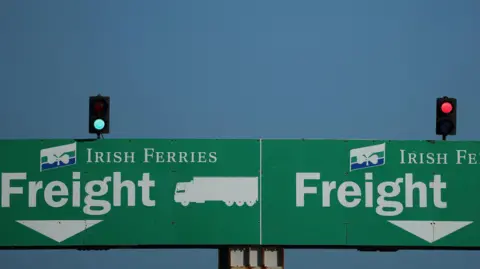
(229, 190)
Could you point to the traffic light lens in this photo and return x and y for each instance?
(98, 106)
(446, 127)
(99, 124)
(446, 107)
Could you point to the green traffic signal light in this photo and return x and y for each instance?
(99, 124)
(99, 115)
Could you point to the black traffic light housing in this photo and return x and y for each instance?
(99, 109)
(446, 116)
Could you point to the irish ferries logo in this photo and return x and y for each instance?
(366, 157)
(57, 157)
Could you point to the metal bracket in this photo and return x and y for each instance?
(251, 258)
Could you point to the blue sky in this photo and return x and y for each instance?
(238, 69)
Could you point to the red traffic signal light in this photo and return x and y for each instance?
(99, 106)
(446, 107)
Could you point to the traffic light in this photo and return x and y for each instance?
(446, 116)
(99, 118)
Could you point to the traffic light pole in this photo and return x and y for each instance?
(444, 137)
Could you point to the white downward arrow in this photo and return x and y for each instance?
(429, 232)
(59, 230)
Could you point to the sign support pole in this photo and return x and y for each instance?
(223, 258)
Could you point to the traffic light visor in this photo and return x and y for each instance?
(446, 107)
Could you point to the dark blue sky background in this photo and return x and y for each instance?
(244, 69)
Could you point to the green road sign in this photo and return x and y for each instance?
(370, 193)
(129, 192)
(207, 193)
